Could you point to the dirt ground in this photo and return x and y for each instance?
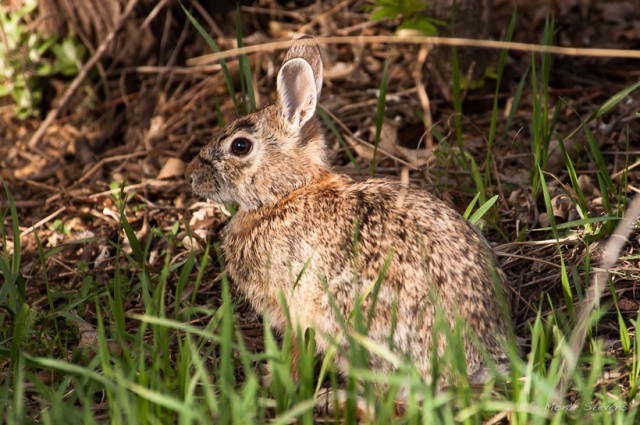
(145, 111)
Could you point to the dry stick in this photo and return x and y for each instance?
(75, 84)
(610, 256)
(104, 161)
(271, 12)
(43, 221)
(423, 96)
(147, 184)
(147, 20)
(367, 144)
(627, 169)
(435, 41)
(324, 15)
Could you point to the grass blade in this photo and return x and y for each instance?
(214, 46)
(471, 205)
(577, 223)
(494, 114)
(382, 102)
(607, 106)
(15, 264)
(517, 96)
(245, 71)
(482, 210)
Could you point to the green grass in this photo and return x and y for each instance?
(382, 102)
(178, 359)
(159, 367)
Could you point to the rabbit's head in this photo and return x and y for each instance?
(263, 156)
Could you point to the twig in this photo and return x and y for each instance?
(546, 242)
(147, 20)
(435, 41)
(75, 84)
(274, 12)
(104, 161)
(367, 144)
(423, 96)
(43, 221)
(524, 257)
(627, 169)
(324, 15)
(148, 184)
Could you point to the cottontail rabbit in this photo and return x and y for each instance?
(295, 215)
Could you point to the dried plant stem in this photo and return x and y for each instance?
(610, 256)
(434, 41)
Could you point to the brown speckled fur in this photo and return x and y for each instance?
(293, 208)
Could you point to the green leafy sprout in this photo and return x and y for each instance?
(411, 12)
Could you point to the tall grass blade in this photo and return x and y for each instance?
(607, 187)
(482, 210)
(573, 176)
(202, 375)
(547, 203)
(245, 70)
(382, 102)
(214, 46)
(517, 96)
(577, 223)
(15, 264)
(607, 106)
(566, 289)
(494, 113)
(457, 94)
(471, 206)
(185, 273)
(610, 104)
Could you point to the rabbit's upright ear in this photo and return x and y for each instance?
(299, 83)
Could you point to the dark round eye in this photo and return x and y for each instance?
(241, 146)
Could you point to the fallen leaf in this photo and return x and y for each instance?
(339, 71)
(174, 167)
(389, 146)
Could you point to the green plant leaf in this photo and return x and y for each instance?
(482, 210)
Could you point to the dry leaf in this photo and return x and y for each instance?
(28, 170)
(192, 243)
(174, 167)
(339, 71)
(389, 146)
(202, 216)
(561, 205)
(587, 187)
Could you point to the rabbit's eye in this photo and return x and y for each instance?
(241, 146)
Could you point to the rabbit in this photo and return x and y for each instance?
(319, 238)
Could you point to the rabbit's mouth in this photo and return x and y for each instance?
(211, 194)
(202, 184)
(210, 190)
(216, 198)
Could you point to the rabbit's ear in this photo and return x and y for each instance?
(310, 53)
(300, 82)
(297, 92)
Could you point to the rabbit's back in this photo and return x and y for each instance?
(334, 238)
